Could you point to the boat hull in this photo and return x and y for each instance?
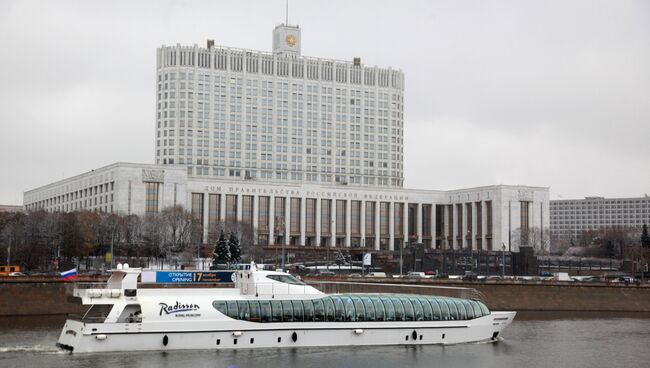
(80, 337)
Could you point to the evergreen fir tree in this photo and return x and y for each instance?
(645, 239)
(221, 251)
(235, 248)
(609, 249)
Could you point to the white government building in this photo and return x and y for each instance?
(307, 151)
(234, 113)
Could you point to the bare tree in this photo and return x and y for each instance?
(178, 228)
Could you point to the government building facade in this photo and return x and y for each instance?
(305, 151)
(483, 218)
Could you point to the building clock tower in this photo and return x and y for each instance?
(286, 40)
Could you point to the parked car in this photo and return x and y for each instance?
(327, 273)
(470, 276)
(355, 275)
(417, 275)
(16, 274)
(377, 274)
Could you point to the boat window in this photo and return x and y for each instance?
(220, 306)
(287, 311)
(265, 308)
(462, 315)
(389, 308)
(361, 310)
(255, 311)
(370, 309)
(350, 312)
(329, 309)
(408, 309)
(399, 309)
(477, 309)
(484, 308)
(446, 313)
(309, 310)
(435, 306)
(417, 308)
(468, 309)
(380, 313)
(287, 279)
(276, 311)
(319, 310)
(339, 311)
(427, 311)
(232, 309)
(244, 312)
(453, 311)
(297, 311)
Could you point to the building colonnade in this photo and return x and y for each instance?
(347, 222)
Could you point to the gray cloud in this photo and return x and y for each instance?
(550, 93)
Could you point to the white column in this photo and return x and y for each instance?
(240, 199)
(271, 220)
(348, 223)
(418, 223)
(317, 220)
(333, 224)
(377, 229)
(465, 228)
(433, 226)
(303, 220)
(445, 227)
(205, 216)
(256, 218)
(474, 223)
(287, 220)
(222, 209)
(483, 220)
(391, 225)
(363, 223)
(454, 225)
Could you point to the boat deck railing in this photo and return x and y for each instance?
(327, 287)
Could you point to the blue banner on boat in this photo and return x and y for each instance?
(194, 276)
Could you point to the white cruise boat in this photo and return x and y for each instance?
(266, 309)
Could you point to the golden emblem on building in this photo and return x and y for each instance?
(291, 40)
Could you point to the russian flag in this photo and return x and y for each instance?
(69, 275)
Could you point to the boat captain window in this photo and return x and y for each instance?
(287, 279)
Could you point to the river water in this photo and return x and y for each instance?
(549, 340)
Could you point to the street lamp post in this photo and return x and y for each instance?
(401, 261)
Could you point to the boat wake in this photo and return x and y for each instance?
(31, 348)
(489, 341)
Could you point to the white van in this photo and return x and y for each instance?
(377, 274)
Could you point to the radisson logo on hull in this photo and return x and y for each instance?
(177, 308)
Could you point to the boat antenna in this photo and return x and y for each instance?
(286, 19)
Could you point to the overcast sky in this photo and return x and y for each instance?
(545, 93)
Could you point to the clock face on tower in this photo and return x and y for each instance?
(291, 40)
